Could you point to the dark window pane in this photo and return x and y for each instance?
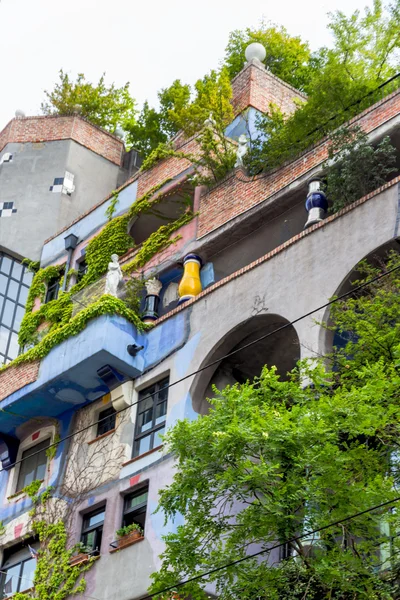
(143, 445)
(135, 508)
(161, 411)
(151, 415)
(94, 519)
(146, 420)
(134, 500)
(33, 465)
(106, 420)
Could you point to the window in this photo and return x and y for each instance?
(92, 530)
(135, 508)
(33, 465)
(17, 570)
(15, 280)
(82, 269)
(150, 422)
(53, 287)
(106, 421)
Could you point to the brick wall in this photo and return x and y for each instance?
(257, 87)
(15, 378)
(239, 193)
(47, 129)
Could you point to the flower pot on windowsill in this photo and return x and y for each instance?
(129, 537)
(78, 559)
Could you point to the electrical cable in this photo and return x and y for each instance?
(217, 361)
(274, 547)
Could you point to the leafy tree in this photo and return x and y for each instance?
(287, 57)
(355, 168)
(365, 53)
(154, 127)
(105, 106)
(275, 459)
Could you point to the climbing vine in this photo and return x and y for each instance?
(56, 577)
(54, 319)
(112, 207)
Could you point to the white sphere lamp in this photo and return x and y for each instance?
(257, 51)
(19, 114)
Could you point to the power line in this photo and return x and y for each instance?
(217, 361)
(261, 552)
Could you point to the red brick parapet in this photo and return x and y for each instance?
(15, 378)
(238, 193)
(255, 86)
(53, 128)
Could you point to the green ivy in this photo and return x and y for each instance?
(112, 207)
(55, 577)
(159, 153)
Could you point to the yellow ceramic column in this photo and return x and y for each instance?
(190, 285)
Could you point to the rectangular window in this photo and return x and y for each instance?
(106, 421)
(92, 530)
(135, 505)
(82, 269)
(18, 570)
(33, 465)
(52, 289)
(151, 416)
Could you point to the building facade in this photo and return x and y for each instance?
(240, 265)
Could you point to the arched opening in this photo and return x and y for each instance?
(330, 338)
(282, 349)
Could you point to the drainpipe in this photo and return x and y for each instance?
(70, 244)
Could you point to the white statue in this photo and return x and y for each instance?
(241, 150)
(114, 276)
(153, 286)
(210, 121)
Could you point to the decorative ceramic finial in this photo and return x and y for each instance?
(316, 203)
(255, 51)
(19, 114)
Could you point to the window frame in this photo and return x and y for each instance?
(137, 509)
(104, 423)
(21, 458)
(98, 529)
(158, 385)
(53, 288)
(20, 585)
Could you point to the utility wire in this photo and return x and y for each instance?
(218, 360)
(261, 552)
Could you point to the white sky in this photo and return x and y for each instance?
(149, 42)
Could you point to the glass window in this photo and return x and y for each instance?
(33, 465)
(135, 508)
(92, 530)
(18, 569)
(151, 415)
(15, 280)
(106, 421)
(82, 269)
(52, 290)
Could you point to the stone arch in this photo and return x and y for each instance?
(281, 350)
(326, 337)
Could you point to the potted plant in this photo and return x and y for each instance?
(81, 554)
(129, 533)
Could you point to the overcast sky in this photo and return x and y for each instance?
(149, 42)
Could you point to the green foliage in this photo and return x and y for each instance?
(31, 265)
(105, 106)
(287, 57)
(112, 207)
(364, 55)
(128, 529)
(355, 168)
(32, 489)
(286, 459)
(159, 153)
(52, 451)
(153, 127)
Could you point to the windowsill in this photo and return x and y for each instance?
(84, 559)
(132, 460)
(100, 437)
(127, 544)
(21, 494)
